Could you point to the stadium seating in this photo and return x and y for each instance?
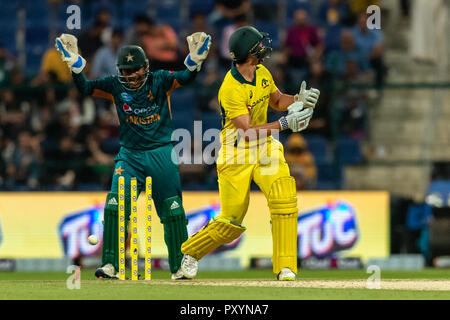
(349, 150)
(201, 6)
(169, 12)
(183, 119)
(317, 145)
(211, 120)
(183, 99)
(271, 27)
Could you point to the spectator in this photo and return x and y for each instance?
(303, 43)
(13, 118)
(105, 59)
(23, 162)
(206, 92)
(7, 61)
(334, 12)
(348, 62)
(104, 17)
(226, 11)
(301, 162)
(320, 78)
(142, 26)
(224, 53)
(91, 40)
(370, 43)
(53, 69)
(161, 46)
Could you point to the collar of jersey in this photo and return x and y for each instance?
(235, 73)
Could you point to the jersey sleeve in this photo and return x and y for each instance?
(233, 102)
(102, 87)
(174, 79)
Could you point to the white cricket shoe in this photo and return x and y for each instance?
(189, 266)
(286, 275)
(106, 272)
(179, 275)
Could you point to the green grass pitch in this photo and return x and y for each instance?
(224, 285)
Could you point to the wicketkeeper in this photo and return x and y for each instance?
(142, 101)
(246, 92)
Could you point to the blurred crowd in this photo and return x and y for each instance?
(52, 138)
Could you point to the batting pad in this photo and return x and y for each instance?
(216, 233)
(283, 210)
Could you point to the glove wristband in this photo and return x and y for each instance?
(190, 62)
(283, 123)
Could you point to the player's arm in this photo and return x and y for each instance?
(280, 101)
(67, 46)
(296, 121)
(252, 132)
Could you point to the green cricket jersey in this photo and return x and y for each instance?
(145, 116)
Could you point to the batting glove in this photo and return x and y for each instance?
(308, 97)
(67, 46)
(297, 120)
(199, 44)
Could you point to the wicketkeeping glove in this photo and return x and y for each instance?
(308, 97)
(298, 119)
(199, 44)
(67, 46)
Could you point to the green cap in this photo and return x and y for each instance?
(243, 41)
(131, 57)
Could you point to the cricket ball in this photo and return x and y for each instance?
(93, 239)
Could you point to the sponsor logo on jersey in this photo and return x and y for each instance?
(263, 98)
(126, 97)
(143, 120)
(138, 111)
(265, 83)
(127, 109)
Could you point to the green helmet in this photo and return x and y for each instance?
(245, 41)
(131, 57)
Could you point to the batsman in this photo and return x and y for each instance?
(244, 96)
(142, 102)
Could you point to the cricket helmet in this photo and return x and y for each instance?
(248, 40)
(131, 58)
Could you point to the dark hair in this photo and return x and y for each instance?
(117, 32)
(142, 18)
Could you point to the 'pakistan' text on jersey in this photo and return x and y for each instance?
(145, 116)
(238, 96)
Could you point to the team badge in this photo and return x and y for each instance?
(150, 96)
(265, 83)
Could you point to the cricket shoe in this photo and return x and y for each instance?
(189, 266)
(179, 275)
(286, 275)
(106, 272)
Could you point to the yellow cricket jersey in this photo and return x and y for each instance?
(238, 96)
